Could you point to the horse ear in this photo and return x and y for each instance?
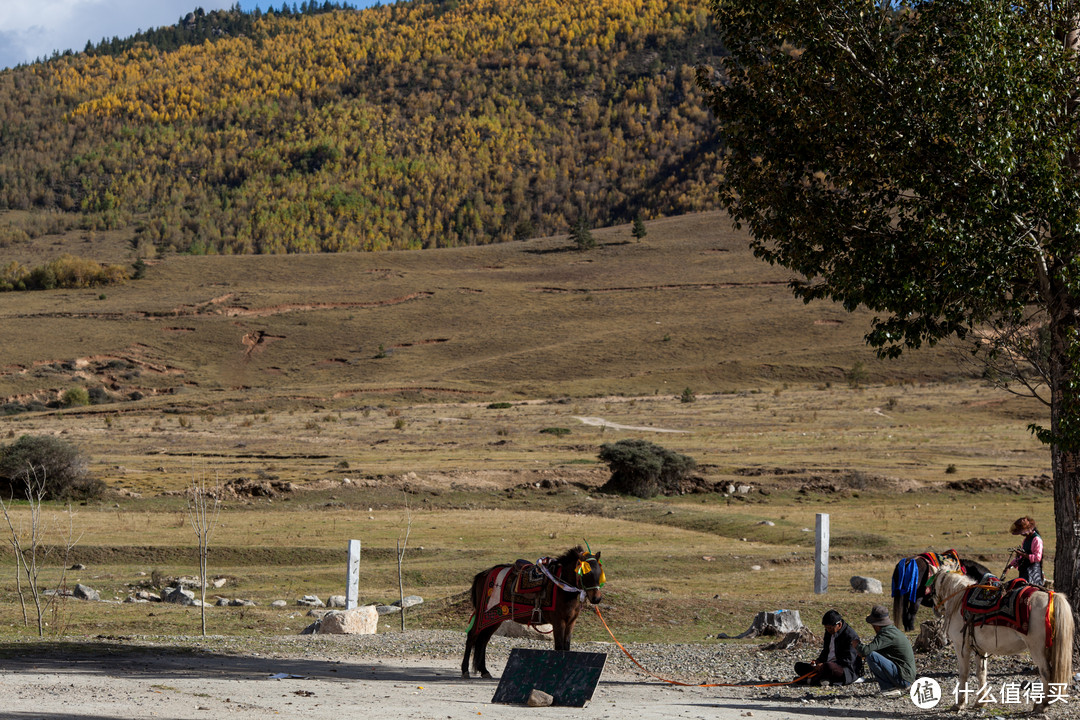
(597, 556)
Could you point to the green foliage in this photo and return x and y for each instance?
(638, 230)
(687, 396)
(62, 466)
(644, 469)
(76, 396)
(582, 236)
(66, 271)
(556, 431)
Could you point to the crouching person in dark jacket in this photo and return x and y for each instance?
(838, 663)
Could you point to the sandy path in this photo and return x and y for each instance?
(601, 422)
(119, 683)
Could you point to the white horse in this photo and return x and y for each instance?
(1054, 661)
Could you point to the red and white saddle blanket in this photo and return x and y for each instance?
(515, 592)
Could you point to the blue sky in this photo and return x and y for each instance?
(32, 29)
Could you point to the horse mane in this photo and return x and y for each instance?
(948, 583)
(570, 556)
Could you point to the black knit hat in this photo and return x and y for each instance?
(831, 618)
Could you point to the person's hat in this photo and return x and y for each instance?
(879, 615)
(831, 618)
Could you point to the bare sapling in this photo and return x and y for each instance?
(32, 553)
(204, 504)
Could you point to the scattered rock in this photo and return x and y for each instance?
(387, 609)
(311, 601)
(219, 582)
(513, 629)
(336, 601)
(866, 585)
(178, 595)
(279, 604)
(409, 601)
(86, 593)
(778, 622)
(539, 698)
(78, 566)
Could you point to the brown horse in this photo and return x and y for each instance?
(549, 591)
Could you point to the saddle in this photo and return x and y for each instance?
(993, 602)
(516, 592)
(530, 579)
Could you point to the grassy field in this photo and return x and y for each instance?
(358, 396)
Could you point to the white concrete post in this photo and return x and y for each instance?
(352, 587)
(821, 555)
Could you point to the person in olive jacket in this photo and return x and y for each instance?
(889, 655)
(838, 662)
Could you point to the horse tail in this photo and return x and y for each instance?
(476, 597)
(1059, 654)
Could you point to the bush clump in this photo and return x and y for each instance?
(644, 469)
(62, 467)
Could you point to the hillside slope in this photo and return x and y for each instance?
(688, 306)
(417, 124)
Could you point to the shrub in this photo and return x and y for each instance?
(639, 230)
(644, 469)
(687, 396)
(76, 396)
(499, 405)
(557, 431)
(61, 465)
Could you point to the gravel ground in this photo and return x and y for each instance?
(416, 675)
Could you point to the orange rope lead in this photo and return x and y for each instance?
(676, 682)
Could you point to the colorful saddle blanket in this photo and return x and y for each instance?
(515, 592)
(993, 602)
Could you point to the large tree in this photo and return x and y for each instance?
(921, 159)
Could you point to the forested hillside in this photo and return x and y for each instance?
(417, 124)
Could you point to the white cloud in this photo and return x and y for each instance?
(32, 29)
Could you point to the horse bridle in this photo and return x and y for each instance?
(599, 570)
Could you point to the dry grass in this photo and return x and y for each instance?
(616, 334)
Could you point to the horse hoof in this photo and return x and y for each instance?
(485, 675)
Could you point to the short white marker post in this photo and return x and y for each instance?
(352, 588)
(821, 555)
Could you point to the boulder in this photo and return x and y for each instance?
(866, 585)
(178, 595)
(311, 601)
(387, 609)
(86, 593)
(279, 604)
(358, 621)
(409, 601)
(336, 601)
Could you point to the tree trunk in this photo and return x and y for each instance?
(1065, 449)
